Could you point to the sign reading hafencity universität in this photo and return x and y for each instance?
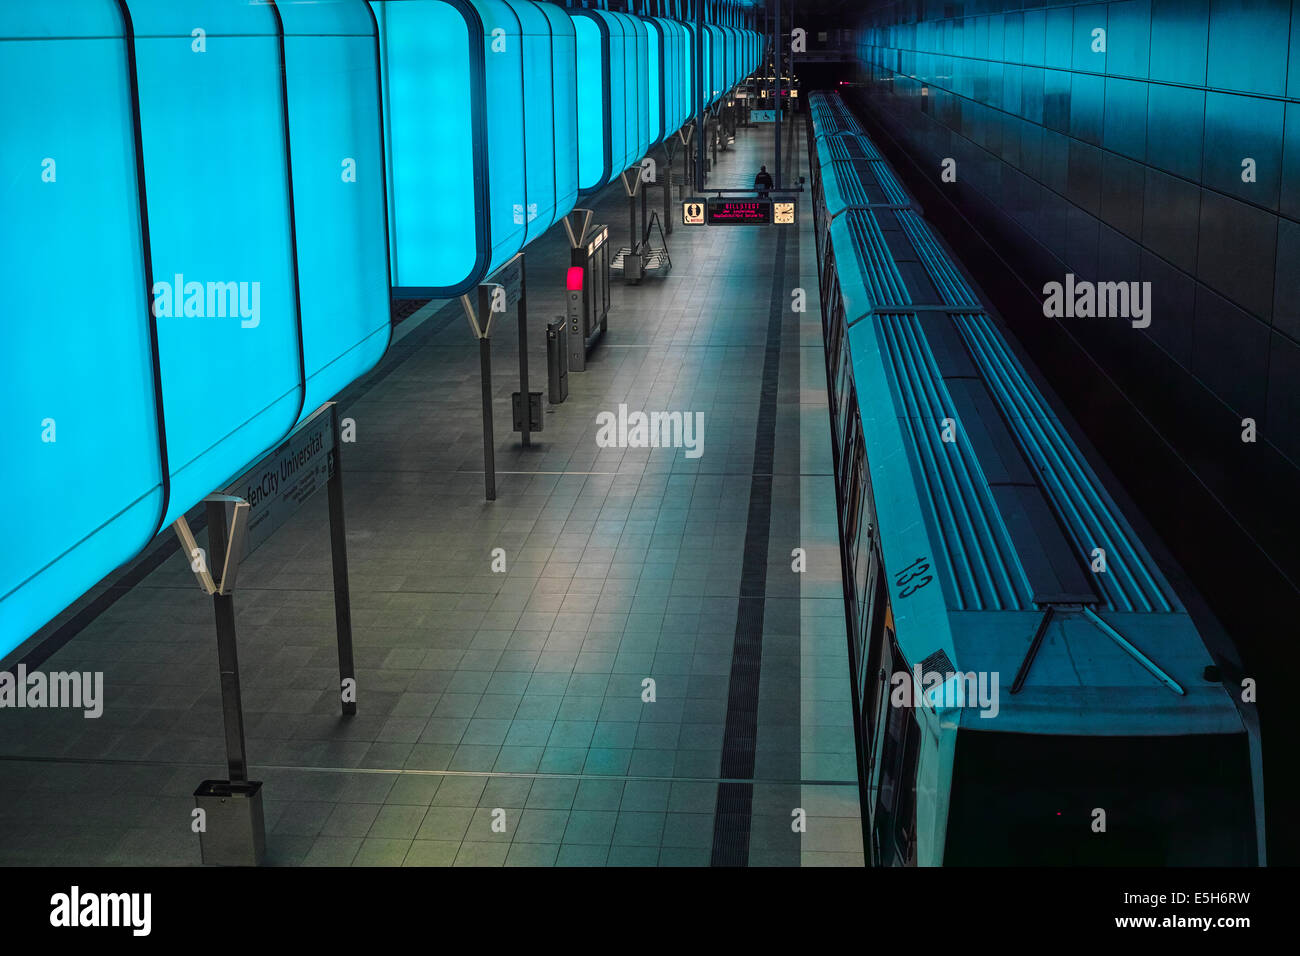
(282, 481)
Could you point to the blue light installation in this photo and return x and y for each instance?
(549, 74)
(564, 72)
(332, 66)
(213, 126)
(670, 76)
(238, 199)
(71, 245)
(613, 94)
(431, 62)
(480, 134)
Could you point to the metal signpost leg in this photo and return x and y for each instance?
(631, 219)
(339, 559)
(698, 92)
(525, 400)
(776, 50)
(232, 707)
(668, 189)
(485, 372)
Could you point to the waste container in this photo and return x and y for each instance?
(557, 360)
(234, 831)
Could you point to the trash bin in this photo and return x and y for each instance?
(234, 833)
(557, 360)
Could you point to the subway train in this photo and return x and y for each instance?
(1029, 686)
(207, 206)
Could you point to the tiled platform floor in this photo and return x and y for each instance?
(519, 690)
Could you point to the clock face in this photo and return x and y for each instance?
(783, 213)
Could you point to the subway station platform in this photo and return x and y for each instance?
(520, 691)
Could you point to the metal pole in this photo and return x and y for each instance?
(699, 96)
(776, 51)
(631, 214)
(232, 706)
(485, 374)
(339, 559)
(524, 398)
(668, 190)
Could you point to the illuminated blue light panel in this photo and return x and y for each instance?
(437, 239)
(74, 340)
(335, 133)
(564, 103)
(656, 62)
(216, 174)
(593, 114)
(505, 81)
(537, 85)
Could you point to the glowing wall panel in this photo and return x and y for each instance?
(670, 76)
(74, 313)
(655, 65)
(432, 89)
(613, 94)
(213, 126)
(564, 103)
(480, 114)
(593, 108)
(335, 131)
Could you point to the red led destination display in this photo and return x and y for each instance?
(725, 212)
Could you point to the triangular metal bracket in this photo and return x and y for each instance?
(480, 331)
(636, 180)
(578, 239)
(225, 583)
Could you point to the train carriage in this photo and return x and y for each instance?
(1028, 685)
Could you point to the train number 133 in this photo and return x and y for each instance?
(913, 577)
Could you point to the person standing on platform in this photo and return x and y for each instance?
(763, 182)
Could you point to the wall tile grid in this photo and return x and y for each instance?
(1126, 164)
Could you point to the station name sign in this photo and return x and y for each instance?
(283, 481)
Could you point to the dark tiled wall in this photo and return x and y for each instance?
(1126, 165)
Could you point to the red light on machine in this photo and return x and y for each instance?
(574, 280)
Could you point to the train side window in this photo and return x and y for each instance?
(871, 613)
(895, 792)
(874, 636)
(905, 818)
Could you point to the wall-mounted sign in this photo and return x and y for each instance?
(510, 276)
(282, 481)
(762, 116)
(739, 212)
(693, 212)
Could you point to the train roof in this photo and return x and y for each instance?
(974, 473)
